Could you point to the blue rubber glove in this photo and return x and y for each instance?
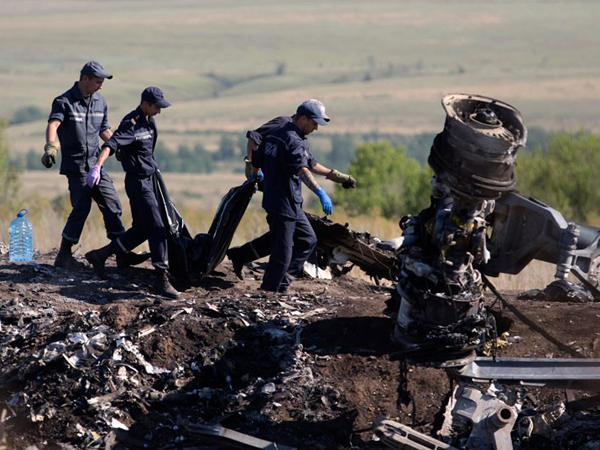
(93, 176)
(325, 201)
(259, 176)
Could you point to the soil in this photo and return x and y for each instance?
(105, 363)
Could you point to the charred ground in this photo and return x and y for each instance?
(84, 358)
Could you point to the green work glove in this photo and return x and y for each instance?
(248, 170)
(347, 181)
(50, 151)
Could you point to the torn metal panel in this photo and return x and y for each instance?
(398, 436)
(339, 244)
(575, 373)
(224, 435)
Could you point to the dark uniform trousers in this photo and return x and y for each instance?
(147, 223)
(292, 242)
(81, 196)
(253, 250)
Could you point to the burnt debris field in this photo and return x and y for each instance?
(90, 363)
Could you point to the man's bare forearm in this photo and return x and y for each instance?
(250, 145)
(103, 156)
(319, 169)
(308, 179)
(51, 130)
(106, 134)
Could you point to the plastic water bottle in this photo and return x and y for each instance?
(21, 238)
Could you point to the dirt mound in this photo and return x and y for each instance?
(92, 363)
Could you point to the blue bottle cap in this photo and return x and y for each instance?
(21, 214)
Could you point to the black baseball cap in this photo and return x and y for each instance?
(96, 69)
(155, 96)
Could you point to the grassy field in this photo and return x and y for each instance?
(197, 197)
(232, 64)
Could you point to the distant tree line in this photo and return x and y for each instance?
(336, 150)
(559, 169)
(565, 174)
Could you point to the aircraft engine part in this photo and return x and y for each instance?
(440, 290)
(475, 153)
(486, 419)
(524, 229)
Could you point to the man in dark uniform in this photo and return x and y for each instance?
(78, 118)
(261, 246)
(286, 161)
(136, 138)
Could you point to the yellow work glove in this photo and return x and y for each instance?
(51, 149)
(347, 181)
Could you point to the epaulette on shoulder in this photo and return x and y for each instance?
(129, 122)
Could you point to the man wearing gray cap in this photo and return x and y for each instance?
(261, 246)
(136, 138)
(78, 118)
(287, 162)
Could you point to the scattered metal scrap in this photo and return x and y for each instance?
(337, 245)
(559, 291)
(88, 380)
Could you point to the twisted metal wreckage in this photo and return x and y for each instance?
(477, 225)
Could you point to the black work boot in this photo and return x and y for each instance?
(97, 258)
(65, 259)
(124, 260)
(163, 285)
(237, 262)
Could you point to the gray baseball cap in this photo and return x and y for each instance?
(314, 109)
(96, 69)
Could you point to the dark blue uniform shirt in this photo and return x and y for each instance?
(81, 124)
(285, 152)
(265, 129)
(136, 137)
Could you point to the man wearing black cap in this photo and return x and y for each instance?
(136, 139)
(261, 246)
(77, 119)
(287, 161)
